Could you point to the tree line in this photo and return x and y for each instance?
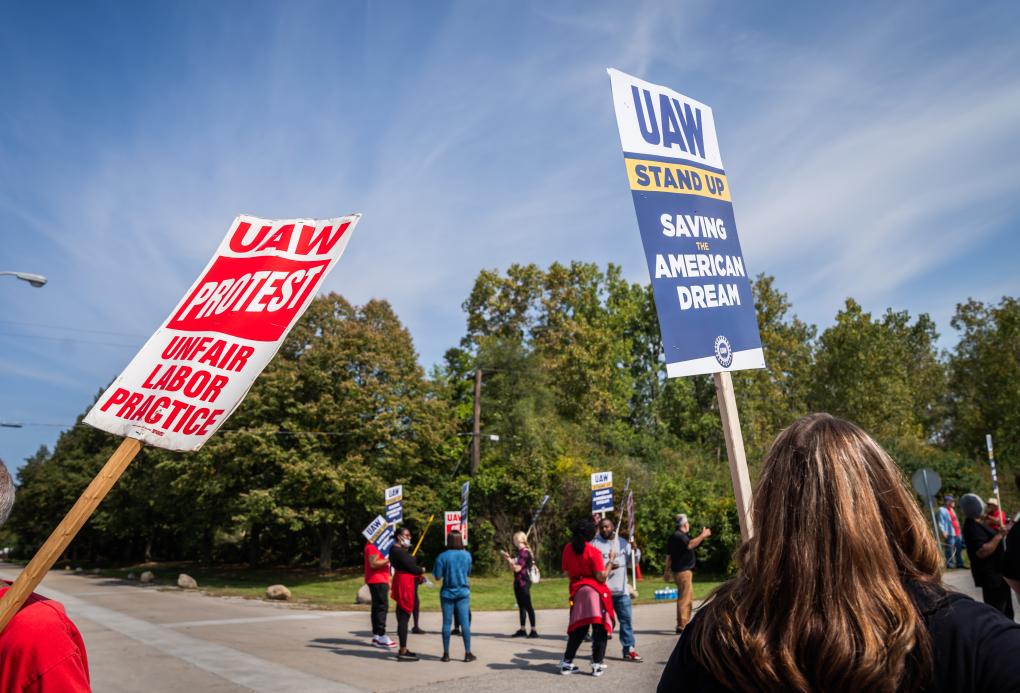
(573, 382)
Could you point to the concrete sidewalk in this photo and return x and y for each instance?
(147, 638)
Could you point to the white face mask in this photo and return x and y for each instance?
(405, 542)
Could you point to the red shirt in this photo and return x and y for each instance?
(375, 575)
(583, 566)
(41, 651)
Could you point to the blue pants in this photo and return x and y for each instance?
(954, 547)
(621, 604)
(461, 606)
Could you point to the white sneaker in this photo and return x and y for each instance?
(383, 641)
(567, 668)
(598, 669)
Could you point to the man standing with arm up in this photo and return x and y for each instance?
(681, 561)
(40, 650)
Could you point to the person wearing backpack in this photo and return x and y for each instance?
(525, 575)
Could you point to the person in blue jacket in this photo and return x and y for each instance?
(453, 567)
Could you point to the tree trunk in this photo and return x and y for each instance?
(148, 545)
(207, 546)
(253, 546)
(325, 547)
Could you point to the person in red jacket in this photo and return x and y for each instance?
(41, 650)
(591, 603)
(377, 577)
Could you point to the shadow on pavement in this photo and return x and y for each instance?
(347, 646)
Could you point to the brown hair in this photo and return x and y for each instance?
(454, 540)
(820, 601)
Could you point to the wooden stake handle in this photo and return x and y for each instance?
(66, 531)
(735, 450)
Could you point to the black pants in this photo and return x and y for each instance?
(380, 604)
(1000, 598)
(403, 618)
(523, 595)
(599, 637)
(417, 604)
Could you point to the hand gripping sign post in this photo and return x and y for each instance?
(685, 215)
(198, 366)
(394, 501)
(601, 492)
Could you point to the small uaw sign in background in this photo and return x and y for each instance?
(198, 366)
(682, 199)
(394, 500)
(601, 492)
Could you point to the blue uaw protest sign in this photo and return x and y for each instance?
(685, 215)
(601, 492)
(394, 500)
(379, 533)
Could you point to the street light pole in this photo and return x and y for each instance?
(476, 429)
(36, 280)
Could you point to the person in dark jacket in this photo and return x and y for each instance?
(839, 587)
(407, 573)
(985, 550)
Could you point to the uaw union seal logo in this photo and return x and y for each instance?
(723, 351)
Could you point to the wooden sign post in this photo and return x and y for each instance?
(198, 366)
(735, 450)
(66, 531)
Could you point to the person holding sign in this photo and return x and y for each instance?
(618, 556)
(41, 649)
(851, 603)
(453, 567)
(680, 560)
(377, 577)
(407, 573)
(521, 565)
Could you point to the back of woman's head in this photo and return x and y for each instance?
(454, 540)
(584, 531)
(820, 600)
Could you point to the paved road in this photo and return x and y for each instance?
(168, 640)
(162, 640)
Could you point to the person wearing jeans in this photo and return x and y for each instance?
(453, 567)
(949, 528)
(618, 555)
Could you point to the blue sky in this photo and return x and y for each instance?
(873, 150)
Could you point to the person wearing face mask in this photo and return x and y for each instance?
(407, 573)
(617, 554)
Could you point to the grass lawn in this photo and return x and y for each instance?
(337, 589)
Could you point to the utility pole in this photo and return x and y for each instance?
(476, 429)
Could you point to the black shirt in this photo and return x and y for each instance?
(987, 571)
(681, 556)
(1011, 556)
(974, 648)
(402, 560)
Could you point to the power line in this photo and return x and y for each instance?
(20, 335)
(69, 329)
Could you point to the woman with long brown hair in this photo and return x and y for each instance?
(840, 588)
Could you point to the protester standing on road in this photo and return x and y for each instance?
(680, 560)
(984, 548)
(1011, 557)
(41, 650)
(840, 587)
(406, 573)
(453, 567)
(617, 555)
(591, 604)
(949, 528)
(377, 577)
(994, 516)
(521, 564)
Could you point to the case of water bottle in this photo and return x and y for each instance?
(666, 593)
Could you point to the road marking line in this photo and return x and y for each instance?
(233, 665)
(235, 621)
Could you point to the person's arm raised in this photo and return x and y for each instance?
(696, 541)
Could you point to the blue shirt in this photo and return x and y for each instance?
(453, 567)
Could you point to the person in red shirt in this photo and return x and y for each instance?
(377, 577)
(591, 603)
(41, 650)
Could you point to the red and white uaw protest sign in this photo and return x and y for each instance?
(195, 370)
